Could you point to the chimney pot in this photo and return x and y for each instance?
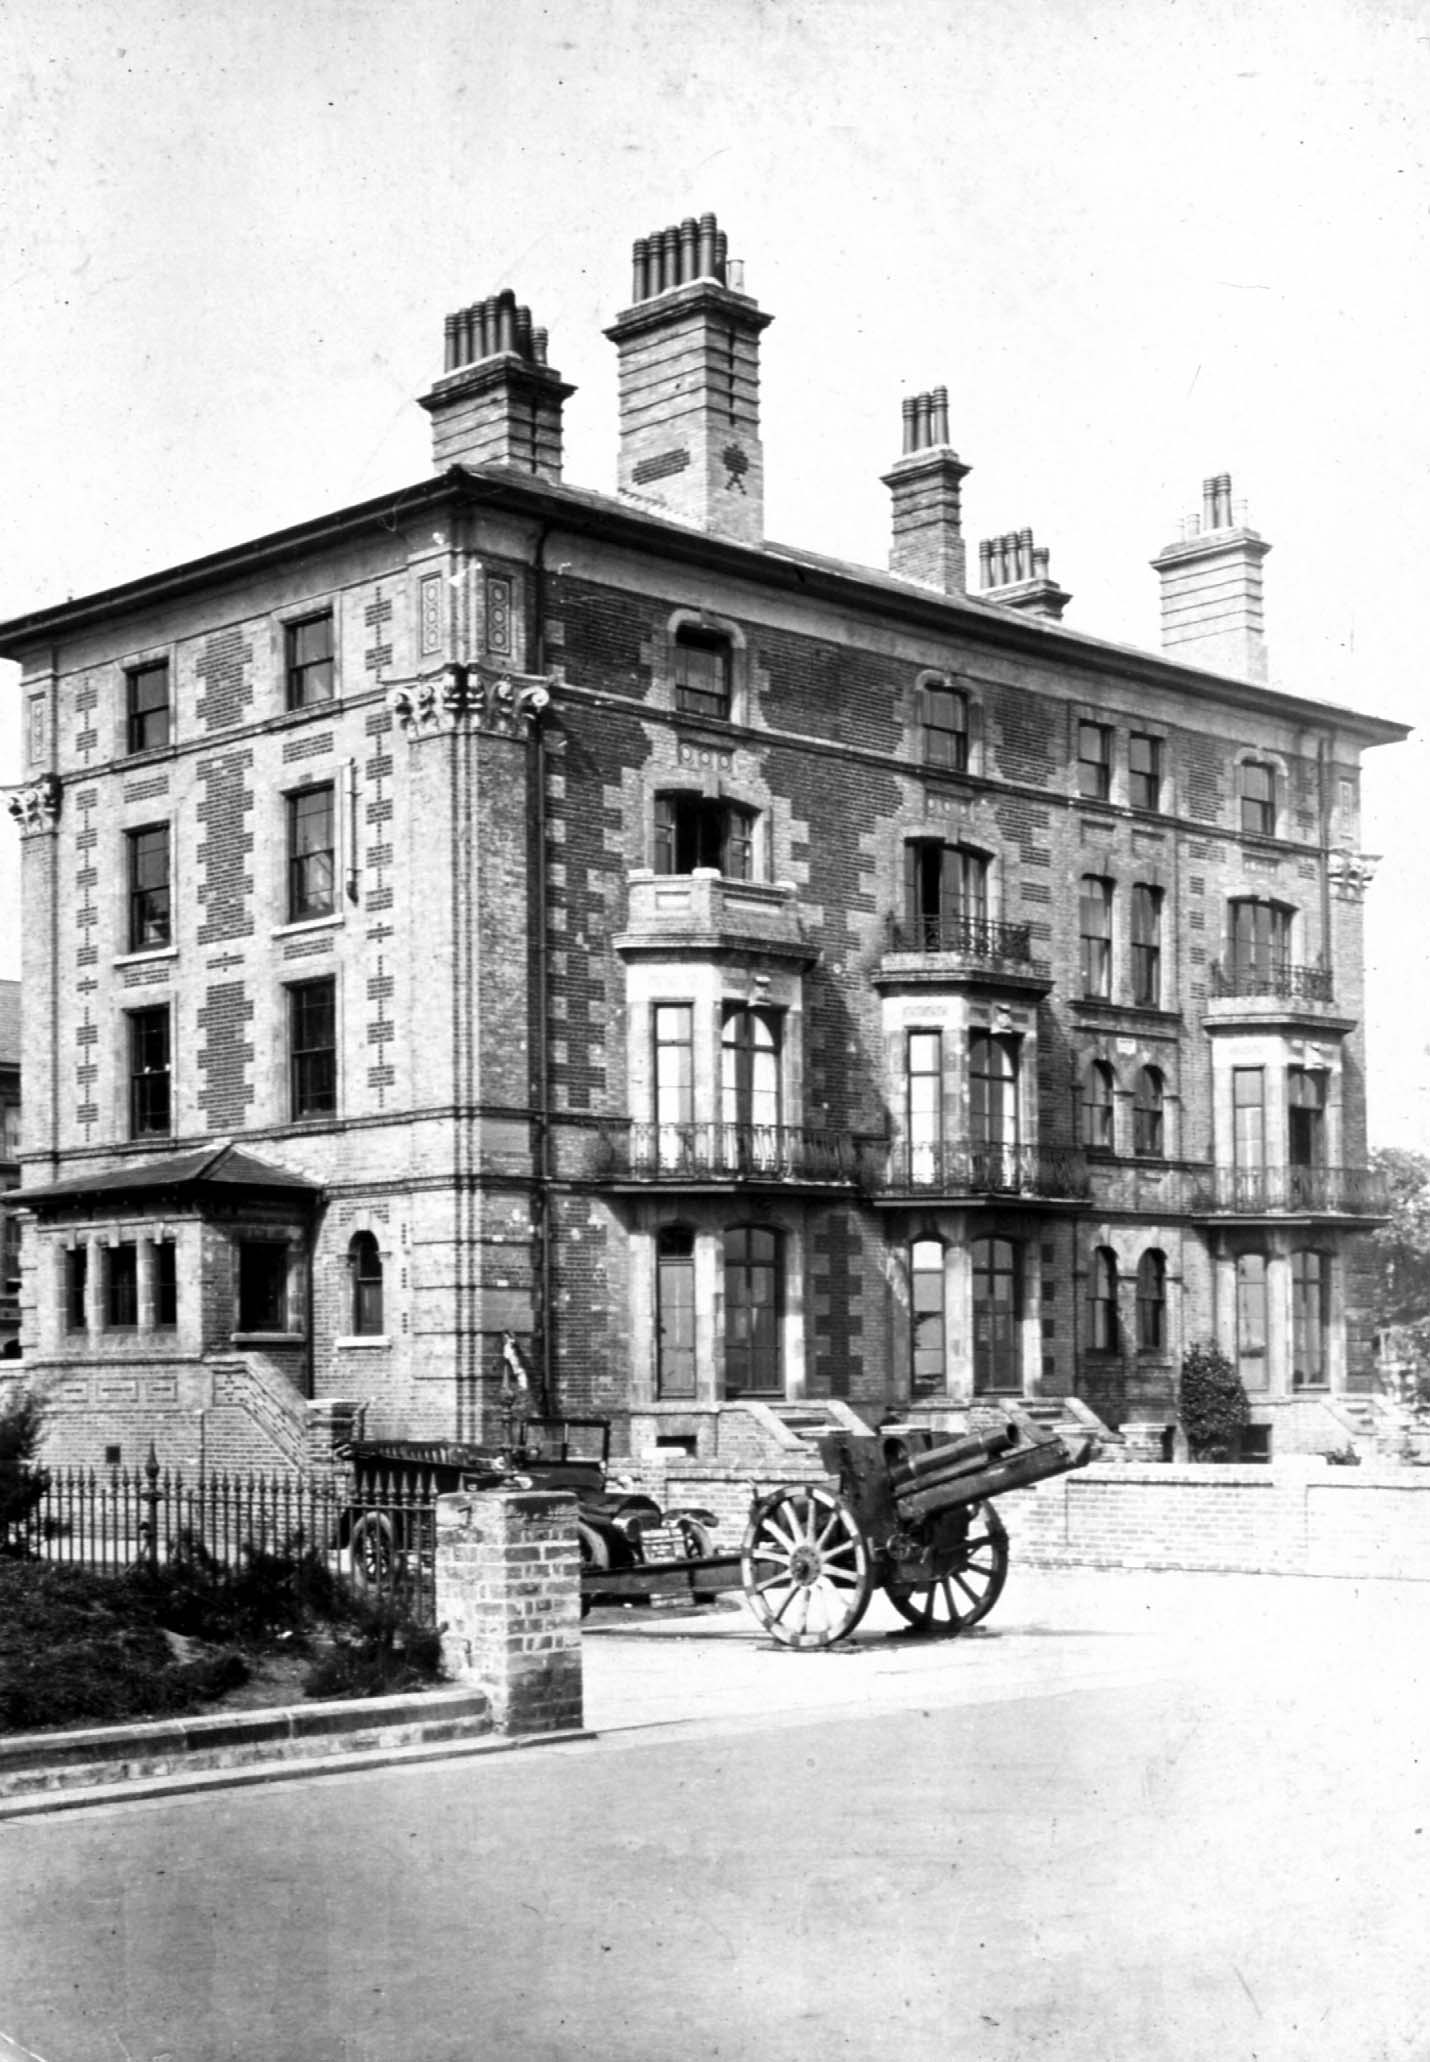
(1213, 610)
(498, 402)
(639, 284)
(689, 386)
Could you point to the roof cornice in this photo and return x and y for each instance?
(580, 512)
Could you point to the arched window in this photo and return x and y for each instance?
(1258, 797)
(945, 727)
(675, 1311)
(997, 1317)
(1102, 1297)
(1152, 1302)
(993, 1115)
(927, 1330)
(750, 1086)
(365, 1264)
(691, 831)
(1097, 1107)
(754, 1296)
(702, 673)
(1147, 1107)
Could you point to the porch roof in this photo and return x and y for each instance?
(222, 1167)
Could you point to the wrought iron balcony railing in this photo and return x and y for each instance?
(1289, 1191)
(685, 1153)
(974, 937)
(967, 1168)
(1278, 978)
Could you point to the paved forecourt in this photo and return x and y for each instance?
(1132, 1817)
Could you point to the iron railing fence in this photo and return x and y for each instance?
(1283, 978)
(1260, 1191)
(964, 1167)
(727, 1152)
(975, 937)
(377, 1526)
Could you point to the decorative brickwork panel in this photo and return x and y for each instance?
(610, 632)
(1204, 759)
(225, 1056)
(377, 621)
(223, 669)
(1028, 733)
(224, 811)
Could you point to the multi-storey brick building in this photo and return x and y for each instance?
(9, 1168)
(745, 978)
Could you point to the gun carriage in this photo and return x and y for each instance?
(911, 1513)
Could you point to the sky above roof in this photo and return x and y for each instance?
(1139, 243)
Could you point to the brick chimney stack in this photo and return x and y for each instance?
(498, 402)
(928, 532)
(689, 351)
(1212, 609)
(1013, 571)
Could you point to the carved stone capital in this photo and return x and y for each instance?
(36, 806)
(500, 703)
(1351, 873)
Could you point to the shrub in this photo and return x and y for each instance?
(22, 1481)
(79, 1647)
(385, 1650)
(1212, 1403)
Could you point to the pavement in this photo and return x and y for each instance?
(1130, 1817)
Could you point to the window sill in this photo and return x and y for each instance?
(150, 953)
(363, 1342)
(308, 923)
(267, 1339)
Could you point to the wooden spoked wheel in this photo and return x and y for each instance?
(371, 1551)
(805, 1567)
(953, 1602)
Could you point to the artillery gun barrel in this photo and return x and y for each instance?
(952, 1455)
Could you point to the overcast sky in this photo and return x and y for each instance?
(1139, 242)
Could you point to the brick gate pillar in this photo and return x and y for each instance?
(509, 1600)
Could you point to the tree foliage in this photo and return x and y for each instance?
(22, 1481)
(1401, 1248)
(1212, 1403)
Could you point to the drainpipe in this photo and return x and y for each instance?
(541, 1057)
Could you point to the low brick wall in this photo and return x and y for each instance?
(1292, 1518)
(508, 1580)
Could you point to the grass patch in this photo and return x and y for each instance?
(83, 1648)
(78, 1648)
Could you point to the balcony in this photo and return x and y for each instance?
(961, 949)
(1255, 995)
(1241, 1192)
(976, 1172)
(1281, 979)
(725, 1156)
(705, 911)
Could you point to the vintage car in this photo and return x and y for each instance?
(387, 1525)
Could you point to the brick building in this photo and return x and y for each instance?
(9, 1168)
(753, 981)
